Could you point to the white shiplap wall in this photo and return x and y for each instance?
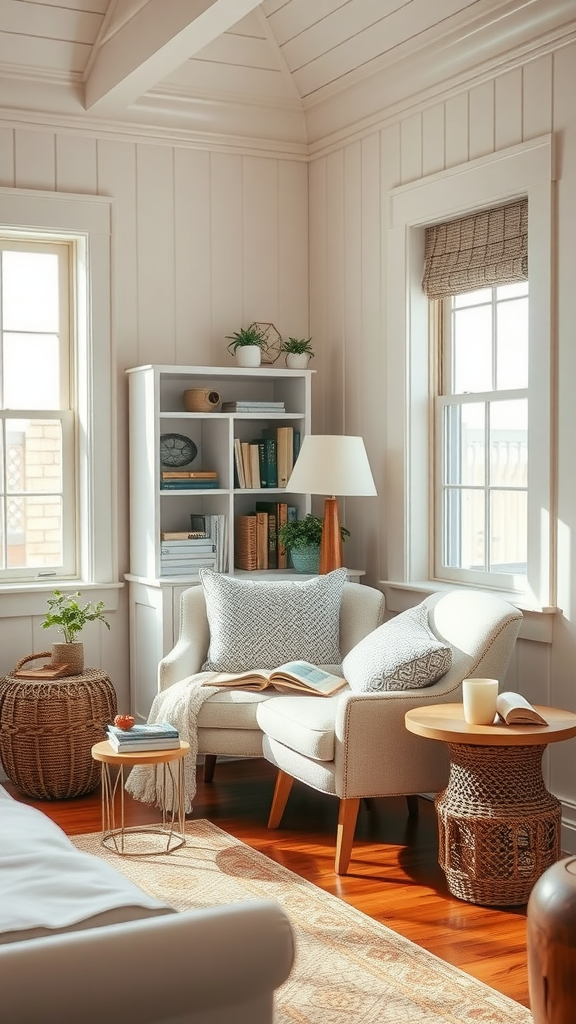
(348, 203)
(203, 243)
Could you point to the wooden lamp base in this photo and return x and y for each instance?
(331, 543)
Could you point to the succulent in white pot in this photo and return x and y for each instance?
(247, 344)
(298, 352)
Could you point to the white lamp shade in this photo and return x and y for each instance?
(332, 464)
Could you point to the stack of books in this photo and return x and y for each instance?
(184, 555)
(266, 462)
(188, 480)
(161, 736)
(256, 544)
(252, 405)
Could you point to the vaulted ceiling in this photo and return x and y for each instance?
(181, 62)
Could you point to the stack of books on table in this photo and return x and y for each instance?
(188, 480)
(184, 555)
(161, 736)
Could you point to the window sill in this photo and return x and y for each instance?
(25, 599)
(537, 623)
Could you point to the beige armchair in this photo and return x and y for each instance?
(356, 746)
(352, 745)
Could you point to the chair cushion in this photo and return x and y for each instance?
(261, 624)
(304, 724)
(402, 654)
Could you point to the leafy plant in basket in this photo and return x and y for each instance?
(69, 617)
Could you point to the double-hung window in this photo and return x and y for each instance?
(38, 480)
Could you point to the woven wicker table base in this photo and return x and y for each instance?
(48, 729)
(499, 827)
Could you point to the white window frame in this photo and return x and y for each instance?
(523, 170)
(86, 221)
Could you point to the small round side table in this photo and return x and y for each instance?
(128, 839)
(48, 728)
(498, 826)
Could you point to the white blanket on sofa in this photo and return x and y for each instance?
(180, 705)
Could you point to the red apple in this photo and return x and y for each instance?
(124, 721)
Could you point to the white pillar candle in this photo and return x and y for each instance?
(479, 696)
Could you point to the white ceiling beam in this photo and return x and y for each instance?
(161, 36)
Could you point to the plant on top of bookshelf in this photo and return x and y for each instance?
(298, 352)
(247, 345)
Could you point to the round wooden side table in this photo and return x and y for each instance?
(498, 826)
(143, 839)
(48, 728)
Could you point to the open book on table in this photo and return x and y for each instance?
(514, 709)
(292, 677)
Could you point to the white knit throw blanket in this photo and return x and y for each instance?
(180, 705)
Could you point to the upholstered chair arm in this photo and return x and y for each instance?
(189, 653)
(376, 755)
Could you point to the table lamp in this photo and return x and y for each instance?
(333, 465)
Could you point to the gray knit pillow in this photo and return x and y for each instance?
(402, 654)
(261, 624)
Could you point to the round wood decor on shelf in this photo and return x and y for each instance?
(48, 728)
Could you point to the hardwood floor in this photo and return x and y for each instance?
(394, 875)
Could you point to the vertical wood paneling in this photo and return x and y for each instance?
(76, 168)
(433, 134)
(392, 467)
(353, 348)
(319, 290)
(35, 159)
(456, 128)
(336, 242)
(293, 269)
(508, 109)
(411, 148)
(537, 97)
(7, 157)
(155, 210)
(117, 178)
(260, 242)
(227, 216)
(481, 120)
(193, 248)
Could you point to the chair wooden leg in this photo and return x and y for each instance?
(280, 798)
(209, 766)
(413, 806)
(347, 815)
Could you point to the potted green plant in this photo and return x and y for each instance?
(302, 538)
(247, 344)
(69, 617)
(298, 352)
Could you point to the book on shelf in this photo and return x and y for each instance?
(189, 485)
(183, 548)
(161, 736)
(268, 462)
(261, 540)
(188, 474)
(216, 528)
(284, 437)
(272, 509)
(238, 463)
(514, 709)
(246, 463)
(176, 535)
(293, 676)
(245, 542)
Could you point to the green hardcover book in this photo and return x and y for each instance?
(267, 462)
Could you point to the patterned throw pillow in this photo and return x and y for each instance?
(261, 624)
(402, 654)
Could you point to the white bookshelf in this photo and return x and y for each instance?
(156, 407)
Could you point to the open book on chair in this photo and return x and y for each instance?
(514, 709)
(292, 677)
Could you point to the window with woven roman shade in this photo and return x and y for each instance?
(484, 249)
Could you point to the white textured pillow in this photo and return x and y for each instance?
(261, 624)
(402, 654)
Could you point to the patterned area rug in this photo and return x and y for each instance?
(349, 969)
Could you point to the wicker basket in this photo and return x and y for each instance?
(201, 400)
(48, 729)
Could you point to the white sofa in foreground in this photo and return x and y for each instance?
(80, 943)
